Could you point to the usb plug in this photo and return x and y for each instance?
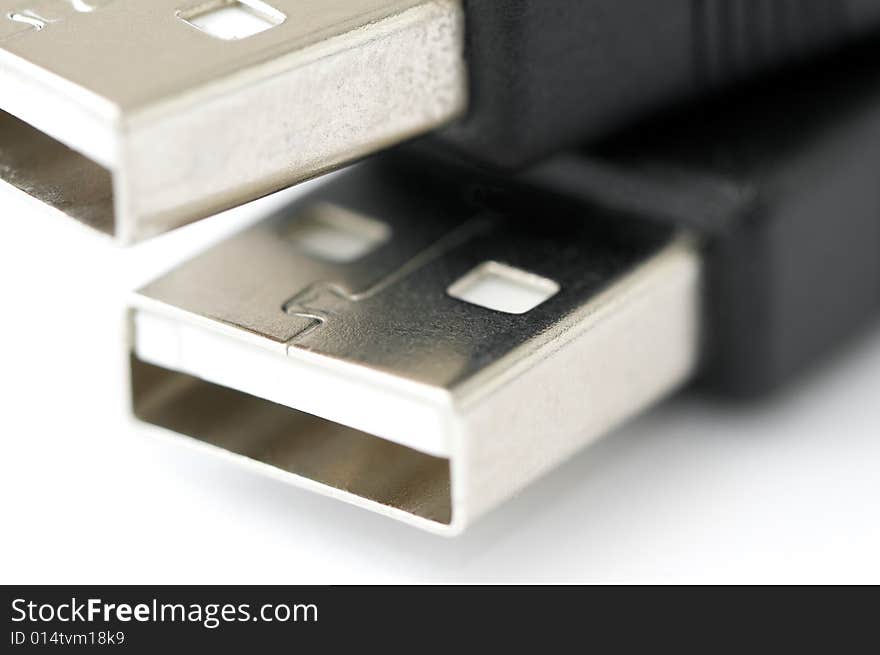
(138, 116)
(413, 354)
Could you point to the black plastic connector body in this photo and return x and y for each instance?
(783, 183)
(547, 74)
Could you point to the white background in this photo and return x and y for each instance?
(786, 491)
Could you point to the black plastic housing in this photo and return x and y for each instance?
(549, 74)
(783, 183)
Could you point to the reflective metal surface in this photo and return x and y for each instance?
(297, 443)
(390, 309)
(190, 124)
(380, 345)
(55, 175)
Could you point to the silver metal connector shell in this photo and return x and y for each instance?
(409, 354)
(129, 117)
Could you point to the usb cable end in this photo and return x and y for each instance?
(427, 369)
(138, 117)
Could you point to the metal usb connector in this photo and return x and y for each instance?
(404, 351)
(138, 116)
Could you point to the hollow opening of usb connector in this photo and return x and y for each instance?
(293, 442)
(40, 166)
